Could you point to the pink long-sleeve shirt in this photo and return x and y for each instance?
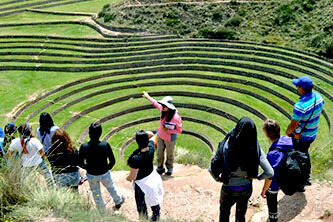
(176, 119)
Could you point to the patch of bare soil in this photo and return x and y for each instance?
(191, 194)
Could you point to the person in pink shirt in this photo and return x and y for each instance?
(170, 126)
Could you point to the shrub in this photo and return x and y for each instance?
(328, 28)
(109, 16)
(221, 33)
(101, 14)
(317, 40)
(329, 50)
(172, 22)
(283, 14)
(234, 21)
(242, 13)
(217, 14)
(106, 6)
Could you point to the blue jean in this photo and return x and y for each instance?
(46, 172)
(106, 180)
(229, 198)
(142, 207)
(71, 179)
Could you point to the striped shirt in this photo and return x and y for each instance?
(302, 111)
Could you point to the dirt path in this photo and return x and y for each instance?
(191, 194)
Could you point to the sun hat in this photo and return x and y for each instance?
(168, 102)
(304, 81)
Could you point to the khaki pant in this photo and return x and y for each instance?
(170, 147)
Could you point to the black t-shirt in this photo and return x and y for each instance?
(64, 162)
(96, 157)
(143, 161)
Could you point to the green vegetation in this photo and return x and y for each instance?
(90, 71)
(299, 24)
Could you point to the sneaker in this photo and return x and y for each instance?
(117, 206)
(83, 179)
(169, 173)
(160, 171)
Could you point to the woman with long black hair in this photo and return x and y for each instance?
(45, 130)
(170, 126)
(236, 165)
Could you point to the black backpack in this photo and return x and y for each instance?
(293, 171)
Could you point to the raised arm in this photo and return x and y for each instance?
(153, 101)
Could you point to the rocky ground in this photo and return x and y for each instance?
(191, 194)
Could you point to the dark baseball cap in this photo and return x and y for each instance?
(304, 81)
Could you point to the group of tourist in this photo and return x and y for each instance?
(235, 164)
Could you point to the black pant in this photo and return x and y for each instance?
(229, 198)
(272, 203)
(142, 207)
(303, 146)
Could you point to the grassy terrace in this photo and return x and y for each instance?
(71, 71)
(61, 62)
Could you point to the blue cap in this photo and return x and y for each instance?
(304, 81)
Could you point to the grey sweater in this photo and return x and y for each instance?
(237, 178)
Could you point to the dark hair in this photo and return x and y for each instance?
(45, 123)
(243, 148)
(10, 128)
(272, 129)
(61, 142)
(169, 114)
(142, 138)
(95, 131)
(308, 90)
(25, 130)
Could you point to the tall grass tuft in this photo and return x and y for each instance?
(185, 156)
(16, 185)
(25, 196)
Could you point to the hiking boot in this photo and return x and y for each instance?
(169, 172)
(160, 171)
(117, 206)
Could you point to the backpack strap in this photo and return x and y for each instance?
(314, 106)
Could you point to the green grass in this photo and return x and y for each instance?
(36, 17)
(93, 6)
(52, 30)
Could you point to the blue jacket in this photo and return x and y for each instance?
(276, 157)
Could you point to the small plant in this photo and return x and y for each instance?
(234, 21)
(217, 14)
(109, 16)
(283, 14)
(172, 22)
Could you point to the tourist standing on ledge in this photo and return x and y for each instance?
(147, 184)
(276, 156)
(170, 126)
(303, 126)
(98, 159)
(235, 165)
(45, 130)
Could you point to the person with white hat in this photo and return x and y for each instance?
(170, 126)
